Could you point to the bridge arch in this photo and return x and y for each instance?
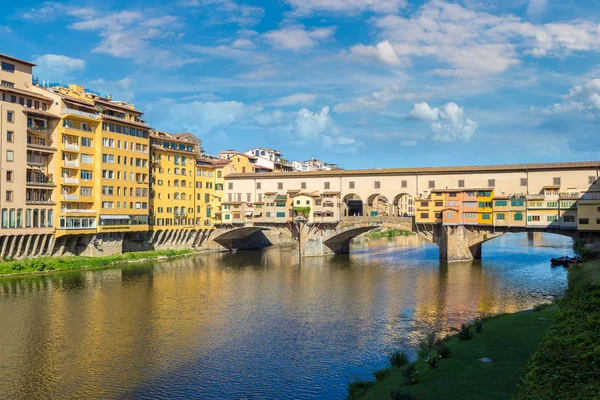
(352, 205)
(403, 205)
(378, 205)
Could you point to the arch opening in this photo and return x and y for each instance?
(403, 205)
(352, 206)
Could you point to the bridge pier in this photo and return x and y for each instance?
(461, 243)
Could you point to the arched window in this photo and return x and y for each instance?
(50, 218)
(176, 171)
(4, 218)
(12, 220)
(183, 172)
(28, 218)
(176, 196)
(219, 174)
(43, 218)
(176, 182)
(183, 183)
(19, 218)
(36, 218)
(183, 196)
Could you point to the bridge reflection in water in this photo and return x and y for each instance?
(252, 324)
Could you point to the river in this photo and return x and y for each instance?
(253, 325)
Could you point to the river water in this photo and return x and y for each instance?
(253, 325)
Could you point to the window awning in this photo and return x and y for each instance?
(248, 213)
(114, 217)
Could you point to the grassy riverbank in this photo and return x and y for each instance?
(46, 264)
(390, 233)
(549, 354)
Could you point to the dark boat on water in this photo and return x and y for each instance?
(565, 261)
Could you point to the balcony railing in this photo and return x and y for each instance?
(47, 183)
(70, 146)
(80, 113)
(40, 146)
(39, 202)
(71, 196)
(71, 163)
(71, 181)
(78, 211)
(38, 129)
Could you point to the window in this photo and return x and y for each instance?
(501, 203)
(404, 184)
(551, 218)
(491, 182)
(424, 215)
(258, 185)
(485, 216)
(303, 185)
(518, 216)
(10, 136)
(568, 218)
(470, 204)
(10, 155)
(86, 175)
(279, 185)
(87, 159)
(591, 180)
(9, 195)
(377, 184)
(86, 191)
(7, 67)
(351, 185)
(10, 116)
(8, 84)
(582, 221)
(108, 174)
(326, 185)
(461, 183)
(280, 215)
(449, 215)
(517, 203)
(431, 184)
(470, 215)
(230, 186)
(438, 204)
(523, 181)
(533, 218)
(9, 176)
(556, 181)
(500, 217)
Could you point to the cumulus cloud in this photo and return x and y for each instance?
(56, 66)
(477, 43)
(536, 9)
(270, 118)
(307, 7)
(119, 90)
(374, 101)
(295, 38)
(296, 98)
(317, 128)
(581, 101)
(450, 123)
(383, 52)
(227, 11)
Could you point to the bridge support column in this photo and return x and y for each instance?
(534, 236)
(459, 243)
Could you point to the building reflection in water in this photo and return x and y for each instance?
(233, 325)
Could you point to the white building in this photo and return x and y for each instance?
(265, 153)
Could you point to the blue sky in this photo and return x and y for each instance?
(364, 83)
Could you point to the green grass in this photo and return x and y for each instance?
(508, 340)
(390, 233)
(44, 264)
(567, 364)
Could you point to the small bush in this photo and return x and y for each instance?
(432, 361)
(464, 333)
(382, 374)
(358, 389)
(410, 374)
(478, 325)
(444, 352)
(401, 395)
(398, 359)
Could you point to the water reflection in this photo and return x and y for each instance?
(252, 324)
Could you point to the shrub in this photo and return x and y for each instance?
(398, 359)
(18, 266)
(432, 361)
(382, 374)
(410, 374)
(358, 389)
(428, 342)
(444, 352)
(465, 332)
(401, 395)
(478, 325)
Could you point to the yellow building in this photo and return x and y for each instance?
(588, 212)
(207, 202)
(173, 196)
(543, 208)
(430, 210)
(485, 206)
(240, 163)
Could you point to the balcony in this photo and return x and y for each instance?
(37, 129)
(45, 183)
(71, 197)
(72, 147)
(71, 163)
(79, 113)
(41, 147)
(77, 211)
(40, 202)
(71, 181)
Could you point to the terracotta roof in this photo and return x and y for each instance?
(109, 103)
(270, 193)
(117, 119)
(17, 60)
(500, 197)
(551, 187)
(26, 93)
(44, 114)
(427, 170)
(69, 99)
(331, 193)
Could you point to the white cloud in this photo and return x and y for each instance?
(536, 9)
(50, 10)
(408, 143)
(201, 117)
(227, 11)
(119, 90)
(317, 128)
(270, 118)
(581, 101)
(242, 55)
(422, 111)
(450, 122)
(382, 52)
(261, 72)
(296, 98)
(374, 101)
(295, 38)
(307, 7)
(477, 43)
(50, 66)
